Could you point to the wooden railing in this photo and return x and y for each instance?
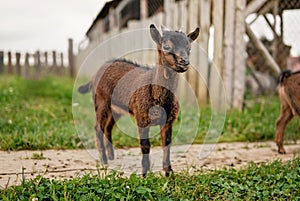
(39, 63)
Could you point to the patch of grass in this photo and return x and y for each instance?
(38, 156)
(275, 181)
(257, 122)
(36, 114)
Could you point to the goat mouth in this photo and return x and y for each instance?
(181, 68)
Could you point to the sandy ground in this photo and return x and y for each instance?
(65, 164)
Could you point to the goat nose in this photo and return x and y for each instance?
(185, 61)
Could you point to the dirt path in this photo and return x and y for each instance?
(63, 164)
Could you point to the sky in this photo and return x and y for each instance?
(46, 25)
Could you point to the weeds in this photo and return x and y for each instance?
(275, 181)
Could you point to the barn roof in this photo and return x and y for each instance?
(104, 12)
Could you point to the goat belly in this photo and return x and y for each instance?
(120, 110)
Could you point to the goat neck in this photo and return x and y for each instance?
(165, 76)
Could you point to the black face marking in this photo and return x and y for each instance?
(178, 40)
(178, 46)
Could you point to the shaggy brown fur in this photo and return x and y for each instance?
(289, 93)
(121, 86)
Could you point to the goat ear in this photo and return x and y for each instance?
(193, 35)
(155, 34)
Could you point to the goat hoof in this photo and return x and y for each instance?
(103, 160)
(168, 171)
(110, 154)
(111, 157)
(281, 151)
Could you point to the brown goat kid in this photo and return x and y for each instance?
(121, 86)
(289, 93)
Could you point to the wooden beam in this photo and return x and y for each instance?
(1, 62)
(259, 45)
(228, 53)
(267, 7)
(192, 75)
(271, 26)
(253, 6)
(239, 72)
(26, 66)
(144, 9)
(122, 5)
(205, 23)
(9, 64)
(215, 85)
(18, 63)
(71, 58)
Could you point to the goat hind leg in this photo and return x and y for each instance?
(284, 118)
(108, 138)
(100, 144)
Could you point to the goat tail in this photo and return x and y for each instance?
(284, 75)
(85, 88)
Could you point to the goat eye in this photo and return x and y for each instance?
(167, 47)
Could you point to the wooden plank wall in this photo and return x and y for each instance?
(227, 62)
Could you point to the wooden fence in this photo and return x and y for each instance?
(205, 78)
(221, 50)
(38, 64)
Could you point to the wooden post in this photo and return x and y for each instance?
(144, 9)
(228, 52)
(175, 16)
(276, 40)
(37, 64)
(18, 63)
(168, 13)
(26, 65)
(239, 56)
(192, 75)
(62, 68)
(215, 85)
(260, 46)
(253, 6)
(46, 59)
(183, 87)
(71, 58)
(111, 19)
(9, 64)
(54, 63)
(1, 62)
(183, 9)
(205, 13)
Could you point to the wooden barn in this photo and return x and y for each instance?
(228, 46)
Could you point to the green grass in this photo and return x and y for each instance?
(37, 114)
(275, 181)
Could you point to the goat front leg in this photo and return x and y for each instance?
(284, 118)
(100, 144)
(145, 147)
(166, 139)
